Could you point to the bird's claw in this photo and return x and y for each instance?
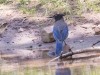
(61, 55)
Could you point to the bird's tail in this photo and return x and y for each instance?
(59, 48)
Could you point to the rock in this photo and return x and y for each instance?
(97, 30)
(66, 48)
(39, 44)
(47, 35)
(81, 41)
(3, 27)
(20, 30)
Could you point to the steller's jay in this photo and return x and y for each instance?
(62, 70)
(60, 32)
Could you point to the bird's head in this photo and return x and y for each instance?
(57, 16)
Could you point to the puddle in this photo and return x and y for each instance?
(58, 69)
(23, 63)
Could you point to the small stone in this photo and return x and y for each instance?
(93, 28)
(6, 29)
(3, 27)
(33, 40)
(8, 49)
(20, 30)
(81, 41)
(7, 42)
(39, 44)
(47, 35)
(66, 48)
(97, 30)
(30, 46)
(33, 51)
(75, 41)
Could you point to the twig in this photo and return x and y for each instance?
(96, 43)
(65, 43)
(76, 52)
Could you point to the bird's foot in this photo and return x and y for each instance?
(61, 55)
(51, 53)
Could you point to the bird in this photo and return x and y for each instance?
(62, 71)
(60, 32)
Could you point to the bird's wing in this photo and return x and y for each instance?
(60, 36)
(56, 34)
(64, 34)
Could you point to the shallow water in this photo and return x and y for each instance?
(71, 69)
(18, 64)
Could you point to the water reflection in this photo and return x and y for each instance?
(22, 62)
(61, 70)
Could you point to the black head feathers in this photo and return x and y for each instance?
(57, 16)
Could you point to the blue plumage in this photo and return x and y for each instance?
(60, 32)
(62, 71)
(60, 37)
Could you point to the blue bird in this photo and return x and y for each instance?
(62, 71)
(60, 32)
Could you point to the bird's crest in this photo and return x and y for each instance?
(57, 16)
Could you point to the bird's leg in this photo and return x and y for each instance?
(71, 55)
(61, 55)
(65, 43)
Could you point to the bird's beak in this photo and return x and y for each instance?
(50, 17)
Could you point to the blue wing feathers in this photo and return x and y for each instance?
(60, 37)
(64, 34)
